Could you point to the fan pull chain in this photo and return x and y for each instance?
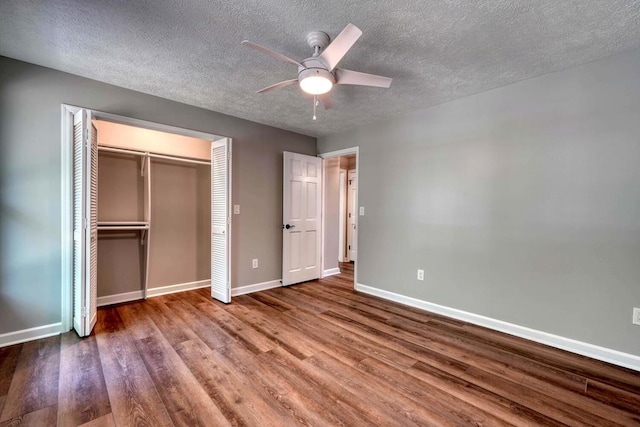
(315, 104)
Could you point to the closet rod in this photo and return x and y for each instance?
(180, 159)
(123, 223)
(157, 156)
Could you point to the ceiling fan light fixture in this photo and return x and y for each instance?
(316, 85)
(316, 81)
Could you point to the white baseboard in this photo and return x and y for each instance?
(118, 298)
(331, 272)
(242, 290)
(152, 292)
(585, 349)
(171, 289)
(30, 334)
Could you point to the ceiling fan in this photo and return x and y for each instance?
(318, 74)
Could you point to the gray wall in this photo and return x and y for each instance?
(121, 260)
(180, 199)
(120, 198)
(521, 203)
(30, 188)
(120, 187)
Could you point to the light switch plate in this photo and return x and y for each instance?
(361, 210)
(236, 209)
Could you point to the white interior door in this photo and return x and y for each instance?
(221, 220)
(85, 223)
(302, 189)
(352, 234)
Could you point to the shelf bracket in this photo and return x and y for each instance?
(143, 234)
(144, 163)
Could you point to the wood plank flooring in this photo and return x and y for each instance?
(317, 354)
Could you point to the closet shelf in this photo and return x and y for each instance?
(123, 225)
(153, 155)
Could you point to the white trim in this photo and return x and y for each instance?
(342, 215)
(129, 121)
(323, 217)
(585, 349)
(339, 153)
(331, 272)
(30, 334)
(256, 287)
(118, 298)
(180, 287)
(152, 292)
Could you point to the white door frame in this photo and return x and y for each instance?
(342, 209)
(352, 231)
(66, 164)
(329, 155)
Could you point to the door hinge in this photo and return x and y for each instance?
(349, 214)
(84, 223)
(349, 247)
(83, 312)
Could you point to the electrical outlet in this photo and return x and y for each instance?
(420, 274)
(254, 263)
(361, 210)
(636, 316)
(236, 209)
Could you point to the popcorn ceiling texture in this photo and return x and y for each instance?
(436, 51)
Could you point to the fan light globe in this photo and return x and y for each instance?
(316, 85)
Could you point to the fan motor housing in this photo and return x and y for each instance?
(319, 72)
(314, 67)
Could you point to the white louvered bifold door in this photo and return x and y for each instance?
(92, 243)
(79, 235)
(85, 211)
(220, 219)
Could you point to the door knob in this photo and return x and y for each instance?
(288, 226)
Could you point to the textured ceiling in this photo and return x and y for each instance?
(435, 50)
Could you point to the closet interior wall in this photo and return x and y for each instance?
(177, 209)
(121, 256)
(180, 246)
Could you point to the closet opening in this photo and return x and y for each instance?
(340, 214)
(147, 208)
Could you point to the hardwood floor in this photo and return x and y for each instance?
(312, 354)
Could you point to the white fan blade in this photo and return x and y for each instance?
(348, 77)
(340, 46)
(278, 85)
(326, 100)
(271, 53)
